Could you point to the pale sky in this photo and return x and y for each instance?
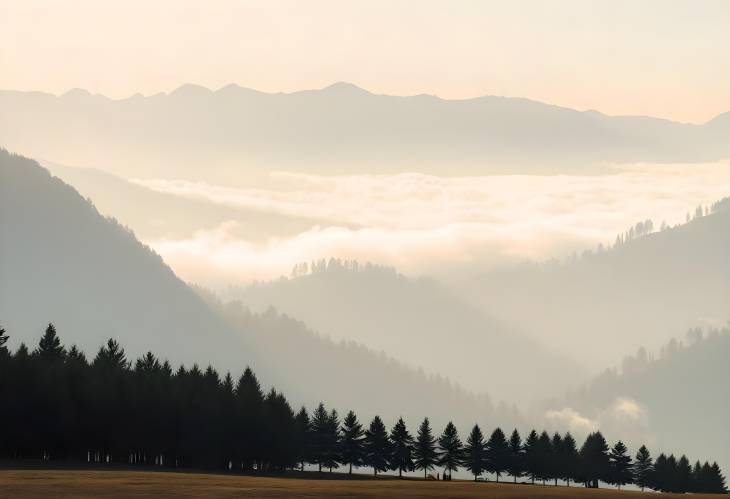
(655, 57)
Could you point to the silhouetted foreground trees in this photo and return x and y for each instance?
(58, 405)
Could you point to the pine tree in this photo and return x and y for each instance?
(516, 456)
(717, 480)
(594, 459)
(683, 477)
(569, 459)
(532, 457)
(49, 347)
(424, 450)
(556, 465)
(303, 436)
(643, 468)
(451, 449)
(320, 428)
(498, 453)
(620, 465)
(111, 356)
(660, 474)
(332, 441)
(545, 456)
(401, 456)
(475, 458)
(377, 446)
(351, 447)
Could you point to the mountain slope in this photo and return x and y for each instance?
(241, 133)
(61, 261)
(682, 395)
(638, 293)
(419, 322)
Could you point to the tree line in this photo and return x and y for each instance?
(58, 405)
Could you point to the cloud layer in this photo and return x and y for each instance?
(435, 225)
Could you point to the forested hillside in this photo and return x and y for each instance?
(419, 322)
(64, 263)
(638, 293)
(681, 384)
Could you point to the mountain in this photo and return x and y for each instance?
(62, 262)
(419, 322)
(157, 215)
(681, 395)
(242, 134)
(638, 293)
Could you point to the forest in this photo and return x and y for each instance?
(60, 407)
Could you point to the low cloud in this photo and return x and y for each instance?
(427, 224)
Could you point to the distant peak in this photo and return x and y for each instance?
(77, 92)
(345, 87)
(191, 89)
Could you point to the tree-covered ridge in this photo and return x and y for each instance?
(60, 406)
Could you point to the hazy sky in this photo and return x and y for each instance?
(661, 58)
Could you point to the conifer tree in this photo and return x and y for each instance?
(569, 459)
(424, 451)
(556, 464)
(401, 456)
(643, 468)
(49, 347)
(545, 457)
(332, 441)
(532, 455)
(451, 449)
(475, 458)
(351, 447)
(594, 459)
(716, 483)
(320, 440)
(498, 453)
(303, 436)
(683, 476)
(620, 465)
(660, 474)
(377, 446)
(516, 456)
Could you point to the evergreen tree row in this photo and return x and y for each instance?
(58, 405)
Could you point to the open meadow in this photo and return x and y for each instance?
(70, 483)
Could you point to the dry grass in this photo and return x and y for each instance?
(52, 484)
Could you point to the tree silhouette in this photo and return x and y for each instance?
(594, 460)
(451, 448)
(498, 453)
(425, 456)
(532, 455)
(351, 447)
(377, 446)
(475, 455)
(643, 468)
(320, 435)
(58, 406)
(516, 466)
(569, 459)
(544, 457)
(303, 439)
(49, 347)
(401, 457)
(3, 340)
(620, 465)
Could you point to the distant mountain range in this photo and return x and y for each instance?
(62, 262)
(241, 134)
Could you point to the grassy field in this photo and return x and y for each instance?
(51, 484)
